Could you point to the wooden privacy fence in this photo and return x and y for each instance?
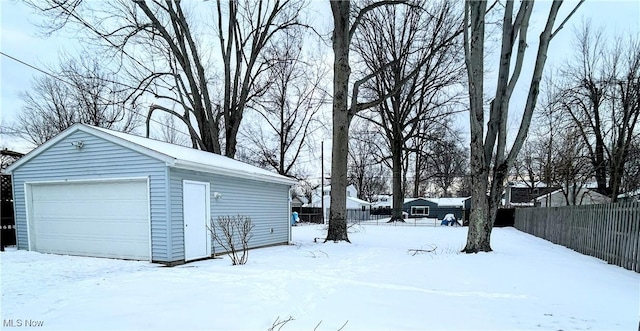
(7, 221)
(610, 232)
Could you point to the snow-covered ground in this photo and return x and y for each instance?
(376, 283)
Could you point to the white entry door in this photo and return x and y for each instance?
(197, 239)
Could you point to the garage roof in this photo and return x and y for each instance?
(173, 155)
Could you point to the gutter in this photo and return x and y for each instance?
(188, 165)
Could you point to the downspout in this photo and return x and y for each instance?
(289, 215)
(167, 210)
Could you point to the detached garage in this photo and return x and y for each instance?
(96, 192)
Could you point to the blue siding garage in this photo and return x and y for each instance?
(69, 198)
(435, 207)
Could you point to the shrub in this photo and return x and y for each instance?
(233, 233)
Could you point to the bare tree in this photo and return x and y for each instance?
(416, 45)
(631, 176)
(439, 158)
(287, 114)
(465, 188)
(490, 163)
(601, 97)
(538, 160)
(251, 25)
(173, 61)
(527, 167)
(555, 154)
(172, 132)
(366, 168)
(446, 161)
(79, 91)
(343, 31)
(573, 167)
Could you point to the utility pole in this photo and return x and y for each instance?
(324, 220)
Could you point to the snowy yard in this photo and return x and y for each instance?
(373, 284)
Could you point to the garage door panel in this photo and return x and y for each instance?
(120, 250)
(104, 219)
(116, 190)
(102, 228)
(128, 210)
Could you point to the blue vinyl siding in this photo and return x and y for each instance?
(440, 212)
(98, 159)
(266, 203)
(434, 210)
(422, 203)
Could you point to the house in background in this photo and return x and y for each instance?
(353, 202)
(632, 196)
(435, 207)
(584, 196)
(95, 192)
(351, 191)
(382, 200)
(381, 204)
(520, 194)
(298, 201)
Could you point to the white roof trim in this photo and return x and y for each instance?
(583, 190)
(544, 196)
(173, 155)
(360, 201)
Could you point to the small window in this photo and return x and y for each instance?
(419, 210)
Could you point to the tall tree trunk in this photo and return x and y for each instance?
(341, 120)
(600, 165)
(398, 192)
(492, 151)
(478, 237)
(416, 177)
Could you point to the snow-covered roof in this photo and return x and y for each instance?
(545, 196)
(591, 185)
(449, 202)
(303, 199)
(629, 194)
(582, 190)
(387, 203)
(173, 155)
(360, 201)
(327, 188)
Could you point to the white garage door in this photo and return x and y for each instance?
(103, 219)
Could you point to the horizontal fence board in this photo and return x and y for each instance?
(610, 232)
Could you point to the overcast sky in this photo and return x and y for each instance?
(19, 38)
